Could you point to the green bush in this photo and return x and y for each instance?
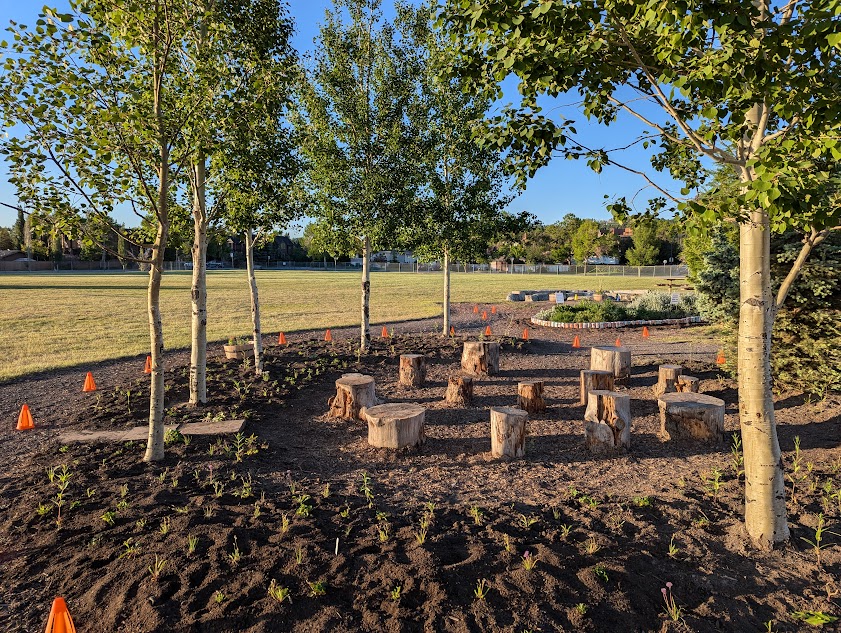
(650, 306)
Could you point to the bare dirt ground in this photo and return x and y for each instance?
(308, 505)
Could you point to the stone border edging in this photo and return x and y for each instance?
(609, 325)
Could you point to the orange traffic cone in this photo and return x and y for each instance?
(645, 332)
(90, 385)
(525, 334)
(385, 332)
(60, 620)
(488, 331)
(25, 419)
(576, 342)
(720, 360)
(618, 342)
(281, 339)
(148, 368)
(452, 331)
(328, 336)
(493, 309)
(476, 309)
(484, 315)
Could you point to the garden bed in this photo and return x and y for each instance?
(306, 505)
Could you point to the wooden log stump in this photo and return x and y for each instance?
(667, 379)
(691, 416)
(459, 391)
(480, 358)
(508, 432)
(530, 396)
(595, 380)
(353, 393)
(688, 384)
(614, 359)
(412, 370)
(607, 422)
(395, 425)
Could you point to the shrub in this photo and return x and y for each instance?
(652, 305)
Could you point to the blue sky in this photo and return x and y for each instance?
(562, 187)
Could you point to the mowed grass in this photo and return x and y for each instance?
(59, 320)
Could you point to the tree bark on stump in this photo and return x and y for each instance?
(395, 425)
(530, 396)
(667, 379)
(688, 384)
(607, 422)
(459, 391)
(412, 370)
(614, 359)
(480, 358)
(353, 393)
(691, 416)
(508, 432)
(595, 380)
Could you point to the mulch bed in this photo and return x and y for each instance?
(306, 503)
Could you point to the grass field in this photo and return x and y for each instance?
(58, 320)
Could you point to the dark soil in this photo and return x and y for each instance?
(302, 502)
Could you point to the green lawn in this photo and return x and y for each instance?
(57, 320)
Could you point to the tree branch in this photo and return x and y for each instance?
(809, 243)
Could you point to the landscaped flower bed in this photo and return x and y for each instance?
(652, 308)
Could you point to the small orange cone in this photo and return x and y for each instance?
(493, 309)
(488, 331)
(484, 315)
(645, 332)
(618, 342)
(385, 332)
(576, 342)
(60, 620)
(525, 334)
(281, 339)
(148, 368)
(720, 360)
(90, 385)
(452, 331)
(476, 309)
(328, 336)
(25, 419)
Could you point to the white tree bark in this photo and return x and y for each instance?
(765, 505)
(365, 334)
(255, 302)
(198, 290)
(446, 331)
(155, 441)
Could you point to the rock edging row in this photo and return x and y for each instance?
(608, 325)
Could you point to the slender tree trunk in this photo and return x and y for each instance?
(255, 302)
(446, 292)
(155, 442)
(198, 291)
(365, 334)
(765, 505)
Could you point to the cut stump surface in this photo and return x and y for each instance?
(694, 416)
(353, 393)
(395, 425)
(508, 432)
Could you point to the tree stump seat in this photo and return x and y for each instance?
(459, 391)
(395, 425)
(607, 421)
(412, 370)
(595, 380)
(614, 359)
(530, 396)
(687, 384)
(480, 358)
(508, 431)
(667, 377)
(354, 392)
(694, 416)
